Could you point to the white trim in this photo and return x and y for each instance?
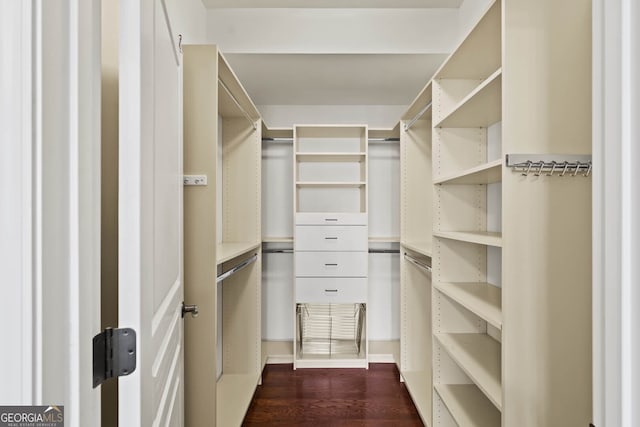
(616, 229)
(16, 309)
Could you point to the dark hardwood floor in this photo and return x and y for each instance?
(332, 397)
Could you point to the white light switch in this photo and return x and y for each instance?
(195, 180)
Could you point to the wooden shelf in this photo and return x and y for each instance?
(331, 157)
(488, 238)
(418, 384)
(277, 240)
(479, 52)
(423, 248)
(391, 239)
(479, 356)
(481, 108)
(487, 173)
(233, 397)
(482, 299)
(228, 251)
(468, 406)
(354, 184)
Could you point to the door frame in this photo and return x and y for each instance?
(53, 298)
(616, 210)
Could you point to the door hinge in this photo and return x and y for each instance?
(592, 425)
(114, 354)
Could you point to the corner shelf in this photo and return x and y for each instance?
(479, 356)
(468, 406)
(488, 238)
(228, 251)
(481, 108)
(487, 173)
(482, 299)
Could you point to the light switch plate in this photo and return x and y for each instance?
(195, 180)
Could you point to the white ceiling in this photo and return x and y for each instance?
(345, 4)
(318, 79)
(343, 53)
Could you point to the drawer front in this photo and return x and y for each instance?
(313, 218)
(331, 264)
(333, 290)
(331, 238)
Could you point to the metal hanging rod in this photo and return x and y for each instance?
(277, 251)
(277, 139)
(550, 164)
(384, 139)
(384, 251)
(407, 126)
(419, 264)
(224, 86)
(287, 139)
(237, 268)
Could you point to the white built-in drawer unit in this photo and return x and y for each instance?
(314, 218)
(336, 290)
(331, 238)
(331, 264)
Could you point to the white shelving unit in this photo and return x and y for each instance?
(222, 134)
(416, 201)
(330, 246)
(513, 341)
(467, 309)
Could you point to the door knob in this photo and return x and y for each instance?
(193, 309)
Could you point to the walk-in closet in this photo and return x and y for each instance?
(453, 242)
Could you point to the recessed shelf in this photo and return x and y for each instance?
(228, 251)
(233, 395)
(391, 239)
(488, 238)
(487, 173)
(482, 299)
(468, 406)
(423, 248)
(479, 356)
(481, 108)
(418, 384)
(272, 239)
(330, 184)
(331, 157)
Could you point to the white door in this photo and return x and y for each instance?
(150, 214)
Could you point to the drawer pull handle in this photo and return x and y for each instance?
(330, 238)
(331, 265)
(331, 290)
(331, 219)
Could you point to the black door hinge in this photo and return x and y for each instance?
(114, 354)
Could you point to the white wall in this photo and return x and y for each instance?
(189, 18)
(469, 13)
